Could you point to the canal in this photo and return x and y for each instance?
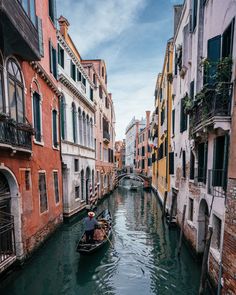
(143, 261)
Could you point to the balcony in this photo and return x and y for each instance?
(20, 36)
(14, 135)
(213, 110)
(217, 182)
(106, 137)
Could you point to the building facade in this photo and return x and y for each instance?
(77, 111)
(202, 132)
(119, 155)
(143, 160)
(30, 169)
(104, 121)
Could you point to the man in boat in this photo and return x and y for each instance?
(90, 223)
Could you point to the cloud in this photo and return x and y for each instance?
(99, 21)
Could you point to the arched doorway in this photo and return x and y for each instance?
(10, 216)
(88, 181)
(203, 223)
(82, 184)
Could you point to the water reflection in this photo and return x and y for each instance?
(144, 259)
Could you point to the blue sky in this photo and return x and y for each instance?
(130, 35)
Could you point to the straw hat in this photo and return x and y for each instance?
(91, 214)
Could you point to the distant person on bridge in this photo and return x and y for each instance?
(89, 224)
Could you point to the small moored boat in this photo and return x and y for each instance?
(101, 235)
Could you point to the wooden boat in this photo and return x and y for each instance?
(101, 235)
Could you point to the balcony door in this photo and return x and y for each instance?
(5, 196)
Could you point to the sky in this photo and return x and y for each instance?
(131, 36)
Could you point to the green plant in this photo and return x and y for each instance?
(188, 104)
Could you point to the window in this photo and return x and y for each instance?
(143, 151)
(27, 180)
(60, 56)
(191, 93)
(106, 102)
(216, 236)
(53, 59)
(105, 155)
(37, 116)
(56, 186)
(160, 152)
(194, 14)
(149, 162)
(63, 117)
(143, 164)
(29, 7)
(80, 126)
(91, 93)
(190, 210)
(2, 101)
(54, 128)
(100, 91)
(192, 163)
(82, 183)
(162, 116)
(103, 72)
(84, 81)
(183, 164)
(171, 163)
(52, 10)
(79, 76)
(166, 147)
(43, 192)
(16, 92)
(77, 192)
(213, 56)
(173, 122)
(74, 125)
(100, 151)
(94, 79)
(227, 40)
(202, 161)
(183, 117)
(72, 70)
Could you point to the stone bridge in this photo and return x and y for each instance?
(144, 179)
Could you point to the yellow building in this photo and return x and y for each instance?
(162, 126)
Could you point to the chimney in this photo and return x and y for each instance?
(64, 25)
(148, 118)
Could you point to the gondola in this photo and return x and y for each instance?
(101, 235)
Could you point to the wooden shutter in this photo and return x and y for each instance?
(54, 120)
(40, 35)
(183, 164)
(227, 40)
(192, 165)
(171, 162)
(213, 55)
(173, 122)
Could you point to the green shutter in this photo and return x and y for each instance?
(40, 36)
(171, 163)
(50, 56)
(54, 120)
(213, 56)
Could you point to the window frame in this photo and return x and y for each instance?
(43, 172)
(55, 172)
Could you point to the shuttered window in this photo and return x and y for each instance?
(43, 192)
(183, 164)
(74, 125)
(173, 122)
(53, 59)
(213, 56)
(79, 76)
(61, 56)
(171, 163)
(54, 128)
(227, 40)
(40, 36)
(37, 116)
(52, 10)
(202, 161)
(56, 187)
(194, 14)
(72, 70)
(62, 117)
(192, 167)
(183, 117)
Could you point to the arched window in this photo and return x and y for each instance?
(63, 117)
(80, 127)
(84, 129)
(16, 91)
(92, 139)
(2, 100)
(88, 131)
(74, 126)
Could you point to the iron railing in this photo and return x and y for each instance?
(14, 134)
(7, 238)
(214, 104)
(217, 182)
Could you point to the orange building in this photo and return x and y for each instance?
(119, 155)
(30, 166)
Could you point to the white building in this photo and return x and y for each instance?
(131, 132)
(77, 124)
(202, 108)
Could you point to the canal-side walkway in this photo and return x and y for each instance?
(143, 261)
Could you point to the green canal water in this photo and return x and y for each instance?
(143, 261)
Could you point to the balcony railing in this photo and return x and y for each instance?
(200, 176)
(214, 104)
(7, 238)
(217, 182)
(17, 28)
(106, 136)
(15, 135)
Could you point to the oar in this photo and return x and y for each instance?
(107, 238)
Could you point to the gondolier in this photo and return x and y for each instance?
(89, 224)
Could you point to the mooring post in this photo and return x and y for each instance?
(203, 279)
(164, 205)
(181, 230)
